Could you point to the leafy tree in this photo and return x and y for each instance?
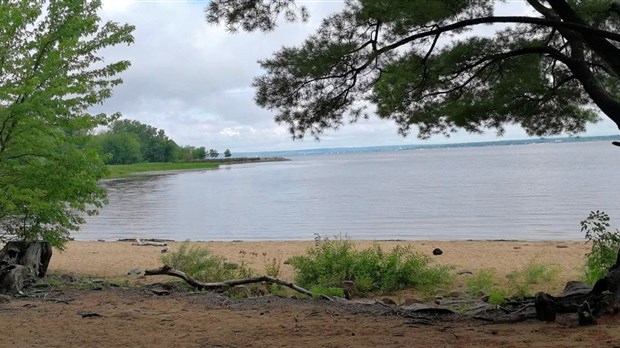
(227, 153)
(186, 153)
(121, 148)
(417, 64)
(192, 153)
(155, 145)
(200, 153)
(213, 153)
(50, 74)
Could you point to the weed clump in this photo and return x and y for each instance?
(203, 265)
(517, 283)
(333, 263)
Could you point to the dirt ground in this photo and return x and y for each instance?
(136, 317)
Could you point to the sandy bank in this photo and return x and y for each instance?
(114, 259)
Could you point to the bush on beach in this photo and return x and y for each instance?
(333, 263)
(605, 245)
(203, 265)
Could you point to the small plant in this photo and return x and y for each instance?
(519, 287)
(317, 291)
(273, 265)
(482, 283)
(536, 273)
(605, 245)
(203, 265)
(498, 296)
(333, 262)
(517, 284)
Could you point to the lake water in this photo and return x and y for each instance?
(528, 192)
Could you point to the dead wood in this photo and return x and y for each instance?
(166, 270)
(148, 243)
(588, 302)
(22, 263)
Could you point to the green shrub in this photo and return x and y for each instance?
(482, 283)
(203, 265)
(332, 263)
(605, 245)
(498, 296)
(273, 266)
(517, 283)
(535, 273)
(317, 291)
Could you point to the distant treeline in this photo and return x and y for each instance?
(129, 141)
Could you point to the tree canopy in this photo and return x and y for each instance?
(50, 75)
(418, 63)
(155, 146)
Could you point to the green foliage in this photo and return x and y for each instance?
(199, 153)
(192, 153)
(121, 148)
(408, 59)
(536, 273)
(318, 291)
(481, 283)
(227, 153)
(155, 146)
(51, 73)
(273, 266)
(516, 285)
(605, 245)
(332, 263)
(213, 153)
(498, 296)
(203, 265)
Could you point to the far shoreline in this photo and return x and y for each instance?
(125, 171)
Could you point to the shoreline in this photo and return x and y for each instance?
(208, 164)
(115, 259)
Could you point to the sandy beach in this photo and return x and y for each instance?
(138, 317)
(115, 259)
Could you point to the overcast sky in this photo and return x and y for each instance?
(194, 80)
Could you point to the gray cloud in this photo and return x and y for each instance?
(194, 80)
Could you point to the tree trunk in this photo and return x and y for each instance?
(21, 263)
(588, 302)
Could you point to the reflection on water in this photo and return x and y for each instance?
(504, 192)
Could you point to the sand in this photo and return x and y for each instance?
(115, 259)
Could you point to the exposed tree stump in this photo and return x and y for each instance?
(21, 263)
(588, 302)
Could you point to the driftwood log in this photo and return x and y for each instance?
(166, 270)
(589, 302)
(21, 263)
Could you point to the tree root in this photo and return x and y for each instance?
(167, 270)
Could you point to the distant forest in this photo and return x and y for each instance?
(129, 141)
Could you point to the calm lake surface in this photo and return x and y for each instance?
(528, 192)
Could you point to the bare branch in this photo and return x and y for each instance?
(167, 270)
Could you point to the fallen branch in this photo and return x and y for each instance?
(141, 243)
(167, 270)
